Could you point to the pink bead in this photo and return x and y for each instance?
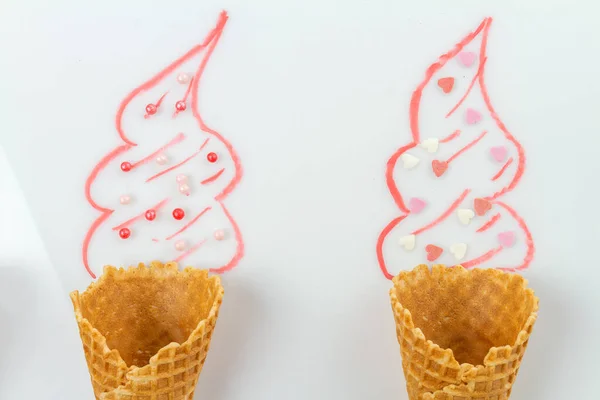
(124, 199)
(181, 178)
(219, 234)
(183, 78)
(180, 245)
(212, 157)
(124, 233)
(184, 189)
(151, 109)
(161, 159)
(126, 166)
(150, 215)
(180, 105)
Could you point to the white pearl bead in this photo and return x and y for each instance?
(180, 245)
(219, 234)
(184, 189)
(183, 78)
(161, 159)
(181, 178)
(124, 199)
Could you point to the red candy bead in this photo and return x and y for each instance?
(212, 157)
(151, 109)
(180, 105)
(150, 215)
(124, 233)
(178, 213)
(126, 166)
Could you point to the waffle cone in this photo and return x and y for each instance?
(146, 330)
(462, 333)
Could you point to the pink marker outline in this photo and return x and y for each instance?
(503, 169)
(479, 77)
(489, 224)
(192, 222)
(141, 215)
(177, 139)
(213, 178)
(445, 214)
(190, 250)
(207, 46)
(158, 103)
(475, 78)
(467, 147)
(451, 136)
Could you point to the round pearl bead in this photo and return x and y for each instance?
(178, 213)
(183, 78)
(219, 234)
(151, 109)
(181, 178)
(161, 159)
(184, 189)
(150, 215)
(212, 157)
(126, 166)
(124, 233)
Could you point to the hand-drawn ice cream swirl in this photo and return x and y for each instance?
(449, 179)
(161, 192)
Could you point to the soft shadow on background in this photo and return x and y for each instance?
(240, 323)
(550, 340)
(17, 294)
(39, 337)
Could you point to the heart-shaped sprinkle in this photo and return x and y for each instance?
(433, 252)
(416, 205)
(506, 239)
(473, 116)
(467, 58)
(431, 144)
(481, 206)
(446, 84)
(409, 161)
(439, 167)
(465, 215)
(498, 153)
(458, 250)
(408, 242)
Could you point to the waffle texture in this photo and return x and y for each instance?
(146, 330)
(462, 333)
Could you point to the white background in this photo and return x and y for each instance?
(314, 96)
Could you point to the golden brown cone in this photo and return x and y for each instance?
(462, 333)
(146, 330)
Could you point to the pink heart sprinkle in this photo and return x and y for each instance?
(416, 205)
(499, 153)
(467, 58)
(506, 239)
(473, 116)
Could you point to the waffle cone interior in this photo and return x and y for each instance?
(146, 330)
(462, 333)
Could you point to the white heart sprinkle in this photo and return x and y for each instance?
(409, 160)
(408, 242)
(459, 250)
(431, 144)
(465, 215)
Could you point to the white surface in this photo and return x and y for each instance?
(41, 356)
(313, 95)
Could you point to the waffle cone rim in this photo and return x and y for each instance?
(157, 269)
(467, 370)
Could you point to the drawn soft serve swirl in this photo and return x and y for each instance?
(158, 148)
(448, 182)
